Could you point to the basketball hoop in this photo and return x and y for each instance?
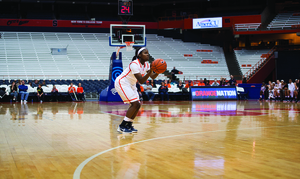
(129, 46)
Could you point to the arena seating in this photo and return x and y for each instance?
(284, 21)
(91, 87)
(26, 55)
(247, 26)
(173, 51)
(248, 58)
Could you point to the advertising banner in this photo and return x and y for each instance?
(206, 23)
(213, 93)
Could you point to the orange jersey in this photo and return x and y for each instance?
(201, 84)
(71, 90)
(142, 88)
(187, 85)
(79, 90)
(168, 85)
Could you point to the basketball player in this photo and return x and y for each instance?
(297, 90)
(291, 87)
(125, 84)
(277, 89)
(262, 91)
(271, 90)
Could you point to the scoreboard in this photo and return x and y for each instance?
(125, 7)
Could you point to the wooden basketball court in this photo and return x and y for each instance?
(220, 139)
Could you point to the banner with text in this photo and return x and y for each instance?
(213, 93)
(206, 23)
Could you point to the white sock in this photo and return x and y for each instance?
(128, 119)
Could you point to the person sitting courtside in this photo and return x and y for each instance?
(72, 91)
(40, 93)
(14, 91)
(163, 91)
(54, 93)
(23, 91)
(148, 91)
(80, 92)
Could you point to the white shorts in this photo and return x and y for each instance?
(127, 91)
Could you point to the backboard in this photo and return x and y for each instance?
(121, 33)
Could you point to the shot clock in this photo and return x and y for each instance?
(125, 7)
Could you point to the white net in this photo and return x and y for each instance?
(129, 46)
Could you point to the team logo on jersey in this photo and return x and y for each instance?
(113, 91)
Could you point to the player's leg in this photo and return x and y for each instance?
(129, 94)
(261, 93)
(296, 95)
(136, 105)
(275, 94)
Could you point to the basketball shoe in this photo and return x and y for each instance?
(124, 129)
(131, 127)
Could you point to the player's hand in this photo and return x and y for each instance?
(151, 69)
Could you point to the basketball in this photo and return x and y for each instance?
(159, 65)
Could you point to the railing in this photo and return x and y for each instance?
(259, 64)
(246, 26)
(54, 77)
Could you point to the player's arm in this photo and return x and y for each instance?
(142, 79)
(154, 75)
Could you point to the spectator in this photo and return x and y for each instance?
(23, 91)
(190, 83)
(18, 83)
(215, 83)
(140, 89)
(232, 81)
(80, 92)
(223, 82)
(148, 91)
(201, 83)
(30, 84)
(163, 91)
(44, 83)
(14, 91)
(173, 72)
(54, 93)
(35, 84)
(153, 84)
(207, 83)
(180, 85)
(72, 91)
(40, 93)
(244, 81)
(169, 83)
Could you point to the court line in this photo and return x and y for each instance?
(78, 170)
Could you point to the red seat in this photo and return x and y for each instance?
(188, 55)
